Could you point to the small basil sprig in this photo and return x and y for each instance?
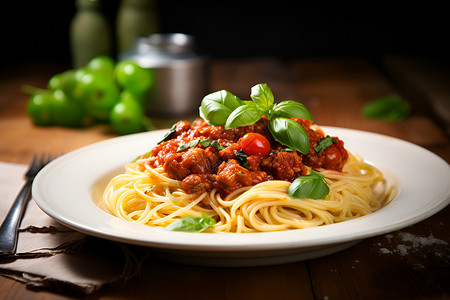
(311, 186)
(148, 153)
(203, 142)
(282, 150)
(324, 144)
(224, 109)
(242, 158)
(251, 111)
(192, 224)
(166, 136)
(391, 107)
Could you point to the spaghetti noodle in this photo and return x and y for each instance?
(146, 195)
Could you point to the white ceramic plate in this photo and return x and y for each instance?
(69, 188)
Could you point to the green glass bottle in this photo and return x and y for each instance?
(135, 18)
(90, 33)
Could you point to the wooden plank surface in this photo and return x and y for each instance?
(410, 263)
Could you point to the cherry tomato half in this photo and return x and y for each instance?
(254, 144)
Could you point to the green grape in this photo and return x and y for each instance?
(55, 82)
(66, 112)
(133, 77)
(65, 81)
(39, 108)
(98, 93)
(127, 116)
(103, 64)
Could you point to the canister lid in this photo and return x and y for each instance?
(162, 49)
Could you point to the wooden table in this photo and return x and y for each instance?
(382, 267)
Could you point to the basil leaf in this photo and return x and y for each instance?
(324, 144)
(211, 143)
(282, 150)
(262, 95)
(244, 115)
(242, 158)
(391, 107)
(166, 137)
(203, 142)
(145, 154)
(311, 186)
(214, 113)
(216, 145)
(291, 109)
(290, 134)
(192, 224)
(188, 145)
(216, 107)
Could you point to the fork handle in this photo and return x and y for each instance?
(10, 226)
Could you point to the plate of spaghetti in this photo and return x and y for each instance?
(248, 183)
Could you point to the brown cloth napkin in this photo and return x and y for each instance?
(52, 256)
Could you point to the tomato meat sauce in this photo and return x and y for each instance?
(242, 156)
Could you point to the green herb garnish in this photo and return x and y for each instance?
(244, 115)
(145, 154)
(166, 137)
(242, 158)
(282, 150)
(324, 144)
(391, 107)
(203, 142)
(311, 186)
(290, 133)
(224, 109)
(192, 224)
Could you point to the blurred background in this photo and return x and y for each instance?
(39, 31)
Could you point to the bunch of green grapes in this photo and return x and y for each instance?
(104, 91)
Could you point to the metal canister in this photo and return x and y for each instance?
(180, 73)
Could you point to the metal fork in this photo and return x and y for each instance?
(9, 227)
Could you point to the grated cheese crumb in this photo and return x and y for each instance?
(385, 251)
(411, 243)
(420, 241)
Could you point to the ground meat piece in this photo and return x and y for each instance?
(172, 166)
(335, 156)
(284, 165)
(162, 151)
(197, 183)
(231, 176)
(198, 123)
(194, 160)
(229, 152)
(182, 126)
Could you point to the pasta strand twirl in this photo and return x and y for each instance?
(148, 196)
